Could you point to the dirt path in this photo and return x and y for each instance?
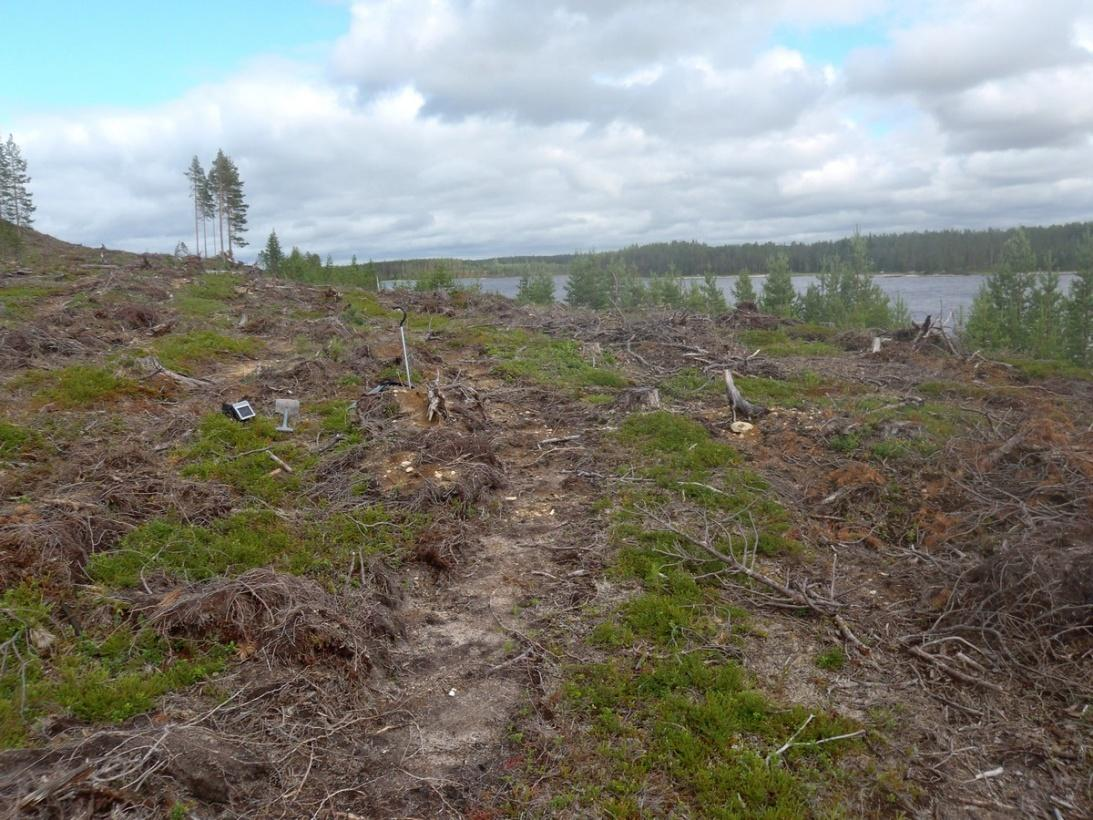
(463, 670)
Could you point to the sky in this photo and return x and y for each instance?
(478, 128)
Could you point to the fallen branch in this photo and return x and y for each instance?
(738, 402)
(155, 367)
(918, 652)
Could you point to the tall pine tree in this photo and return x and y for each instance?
(198, 183)
(16, 202)
(226, 190)
(5, 185)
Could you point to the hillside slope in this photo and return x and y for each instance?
(519, 589)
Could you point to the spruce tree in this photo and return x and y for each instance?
(535, 289)
(272, 257)
(779, 295)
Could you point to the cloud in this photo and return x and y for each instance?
(972, 43)
(480, 128)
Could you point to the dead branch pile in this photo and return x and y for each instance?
(1033, 605)
(284, 618)
(129, 773)
(96, 495)
(462, 468)
(17, 347)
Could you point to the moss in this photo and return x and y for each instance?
(249, 539)
(106, 674)
(689, 383)
(83, 385)
(235, 453)
(18, 301)
(778, 343)
(677, 444)
(184, 351)
(215, 286)
(17, 442)
(228, 547)
(538, 358)
(1048, 368)
(687, 731)
(832, 659)
(336, 418)
(598, 399)
(804, 389)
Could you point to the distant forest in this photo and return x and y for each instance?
(921, 251)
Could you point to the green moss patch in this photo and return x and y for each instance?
(81, 386)
(236, 454)
(778, 343)
(672, 443)
(553, 362)
(185, 351)
(18, 301)
(105, 674)
(249, 539)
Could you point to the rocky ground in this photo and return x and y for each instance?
(528, 586)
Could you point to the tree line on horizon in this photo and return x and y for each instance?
(217, 197)
(1057, 247)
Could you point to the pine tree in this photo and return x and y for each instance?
(1079, 308)
(1000, 311)
(208, 211)
(1047, 312)
(237, 209)
(589, 285)
(18, 203)
(535, 289)
(216, 203)
(743, 290)
(198, 183)
(712, 296)
(5, 186)
(230, 205)
(778, 293)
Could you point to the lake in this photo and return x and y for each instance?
(936, 294)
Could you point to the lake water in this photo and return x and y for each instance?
(937, 294)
